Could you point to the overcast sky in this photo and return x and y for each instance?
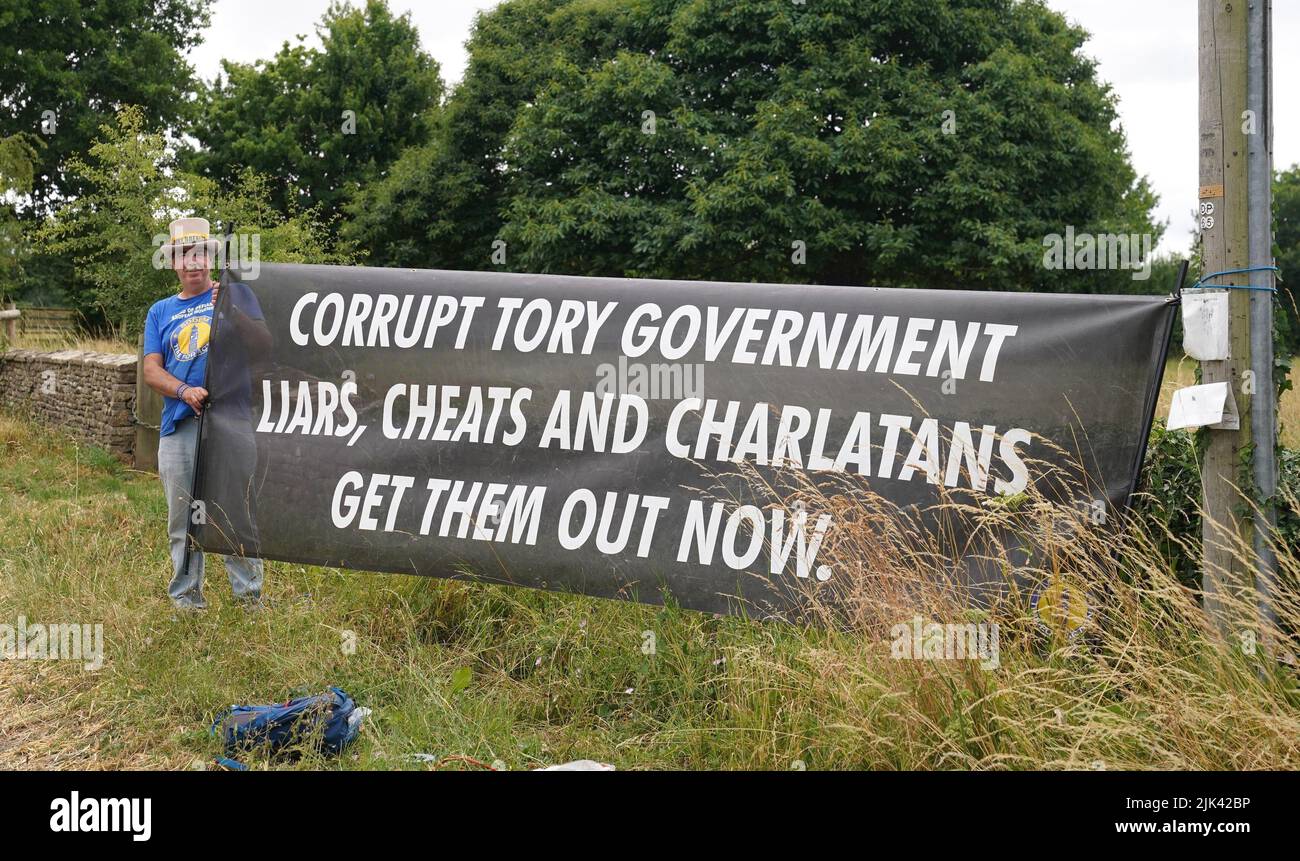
(1146, 50)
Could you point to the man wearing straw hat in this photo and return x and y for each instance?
(175, 358)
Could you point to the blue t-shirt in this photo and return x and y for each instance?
(178, 330)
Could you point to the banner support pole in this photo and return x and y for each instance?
(207, 374)
(1234, 224)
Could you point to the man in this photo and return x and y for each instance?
(176, 336)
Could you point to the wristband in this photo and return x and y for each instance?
(180, 390)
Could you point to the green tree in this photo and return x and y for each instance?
(79, 60)
(440, 204)
(107, 233)
(111, 234)
(65, 66)
(1286, 238)
(321, 122)
(895, 142)
(18, 154)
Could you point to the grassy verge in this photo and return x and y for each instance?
(528, 678)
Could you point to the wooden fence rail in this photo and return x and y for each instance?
(49, 321)
(9, 316)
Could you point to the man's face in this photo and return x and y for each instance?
(193, 268)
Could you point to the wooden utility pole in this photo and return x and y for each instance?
(1234, 125)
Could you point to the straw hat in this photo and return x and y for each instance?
(188, 233)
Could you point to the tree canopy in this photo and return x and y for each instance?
(321, 122)
(889, 142)
(111, 233)
(80, 61)
(899, 142)
(1286, 238)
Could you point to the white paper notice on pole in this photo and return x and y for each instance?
(1208, 405)
(1205, 326)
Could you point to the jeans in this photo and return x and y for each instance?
(176, 469)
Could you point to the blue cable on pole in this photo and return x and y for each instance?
(1200, 281)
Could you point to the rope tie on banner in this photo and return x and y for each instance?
(1200, 282)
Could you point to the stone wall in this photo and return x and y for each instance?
(90, 395)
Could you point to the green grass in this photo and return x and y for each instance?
(530, 678)
(550, 677)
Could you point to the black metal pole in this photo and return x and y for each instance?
(195, 476)
(1182, 279)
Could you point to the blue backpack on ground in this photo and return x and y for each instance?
(326, 719)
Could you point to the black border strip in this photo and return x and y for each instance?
(1153, 397)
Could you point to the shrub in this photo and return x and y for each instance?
(1169, 500)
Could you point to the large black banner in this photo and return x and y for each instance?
(631, 438)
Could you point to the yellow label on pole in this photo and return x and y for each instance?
(1211, 191)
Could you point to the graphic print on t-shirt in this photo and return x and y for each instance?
(179, 331)
(192, 338)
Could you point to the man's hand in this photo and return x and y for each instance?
(195, 396)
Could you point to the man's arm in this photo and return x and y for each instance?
(157, 378)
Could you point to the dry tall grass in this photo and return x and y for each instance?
(69, 341)
(1145, 680)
